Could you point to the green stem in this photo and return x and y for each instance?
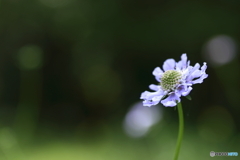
(180, 131)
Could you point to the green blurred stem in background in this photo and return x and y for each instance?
(28, 107)
(181, 129)
(30, 59)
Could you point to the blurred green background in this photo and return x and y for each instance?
(71, 74)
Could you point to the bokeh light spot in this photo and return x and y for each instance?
(140, 119)
(220, 50)
(30, 57)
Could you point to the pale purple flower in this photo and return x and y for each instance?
(175, 80)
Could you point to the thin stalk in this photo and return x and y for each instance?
(180, 131)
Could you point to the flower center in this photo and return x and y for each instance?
(170, 79)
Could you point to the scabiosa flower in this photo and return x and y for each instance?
(175, 80)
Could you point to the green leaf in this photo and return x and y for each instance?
(189, 97)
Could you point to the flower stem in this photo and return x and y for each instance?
(180, 131)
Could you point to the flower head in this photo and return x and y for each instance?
(175, 80)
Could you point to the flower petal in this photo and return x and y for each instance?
(144, 95)
(147, 103)
(195, 69)
(203, 74)
(204, 67)
(171, 100)
(169, 64)
(151, 98)
(184, 60)
(154, 87)
(179, 65)
(169, 103)
(183, 63)
(200, 80)
(187, 91)
(181, 89)
(153, 101)
(195, 74)
(157, 72)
